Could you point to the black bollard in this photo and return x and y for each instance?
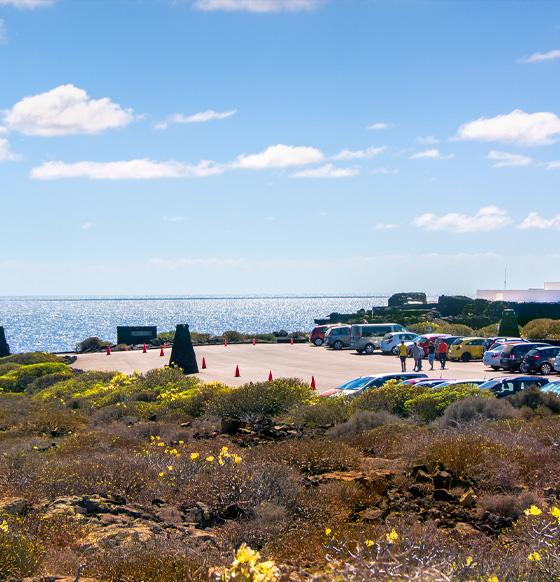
(4, 347)
(182, 352)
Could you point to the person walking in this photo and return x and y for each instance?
(417, 353)
(431, 354)
(403, 353)
(442, 352)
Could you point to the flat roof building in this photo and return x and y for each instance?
(550, 293)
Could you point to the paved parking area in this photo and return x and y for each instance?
(330, 368)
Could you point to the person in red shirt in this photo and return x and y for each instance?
(442, 353)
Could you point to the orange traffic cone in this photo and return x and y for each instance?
(144, 350)
(161, 352)
(254, 341)
(270, 376)
(225, 343)
(292, 341)
(237, 374)
(126, 348)
(108, 351)
(164, 346)
(203, 364)
(313, 383)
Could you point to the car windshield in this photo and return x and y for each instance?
(457, 342)
(489, 385)
(356, 384)
(416, 339)
(388, 336)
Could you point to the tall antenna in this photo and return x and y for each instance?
(505, 279)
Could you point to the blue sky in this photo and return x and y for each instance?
(278, 146)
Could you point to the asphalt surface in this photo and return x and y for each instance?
(328, 367)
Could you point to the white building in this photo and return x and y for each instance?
(550, 293)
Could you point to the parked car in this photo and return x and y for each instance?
(354, 387)
(424, 340)
(432, 382)
(317, 335)
(501, 339)
(557, 363)
(553, 387)
(471, 382)
(338, 337)
(539, 360)
(466, 349)
(512, 354)
(391, 341)
(509, 385)
(367, 337)
(449, 339)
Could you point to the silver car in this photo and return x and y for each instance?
(367, 337)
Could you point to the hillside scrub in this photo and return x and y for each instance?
(148, 477)
(542, 330)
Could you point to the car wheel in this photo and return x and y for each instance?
(495, 367)
(318, 342)
(337, 345)
(524, 368)
(466, 357)
(395, 351)
(360, 351)
(546, 368)
(369, 349)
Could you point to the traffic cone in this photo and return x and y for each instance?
(254, 341)
(161, 352)
(203, 364)
(144, 350)
(313, 383)
(270, 376)
(126, 348)
(292, 341)
(225, 343)
(237, 374)
(164, 346)
(108, 351)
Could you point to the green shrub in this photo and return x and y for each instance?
(5, 368)
(201, 338)
(542, 329)
(488, 331)
(17, 380)
(262, 398)
(423, 327)
(392, 397)
(265, 337)
(28, 358)
(532, 397)
(432, 404)
(364, 421)
(323, 412)
(475, 409)
(234, 336)
(167, 336)
(91, 343)
(20, 555)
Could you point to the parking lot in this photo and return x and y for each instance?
(328, 367)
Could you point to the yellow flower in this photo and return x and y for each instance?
(328, 531)
(555, 511)
(194, 456)
(469, 562)
(160, 444)
(393, 536)
(3, 526)
(534, 557)
(236, 459)
(170, 468)
(533, 510)
(210, 458)
(245, 555)
(369, 543)
(160, 475)
(493, 579)
(181, 442)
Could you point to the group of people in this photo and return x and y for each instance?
(417, 352)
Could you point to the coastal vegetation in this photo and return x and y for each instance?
(161, 477)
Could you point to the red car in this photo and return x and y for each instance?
(317, 336)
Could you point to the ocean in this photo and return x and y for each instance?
(57, 324)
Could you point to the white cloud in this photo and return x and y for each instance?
(259, 6)
(65, 110)
(5, 152)
(142, 169)
(540, 57)
(383, 171)
(535, 221)
(432, 154)
(279, 156)
(3, 32)
(173, 218)
(428, 140)
(381, 126)
(328, 171)
(26, 3)
(382, 226)
(208, 115)
(87, 225)
(505, 159)
(553, 165)
(487, 218)
(517, 127)
(359, 154)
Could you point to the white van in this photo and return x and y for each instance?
(367, 337)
